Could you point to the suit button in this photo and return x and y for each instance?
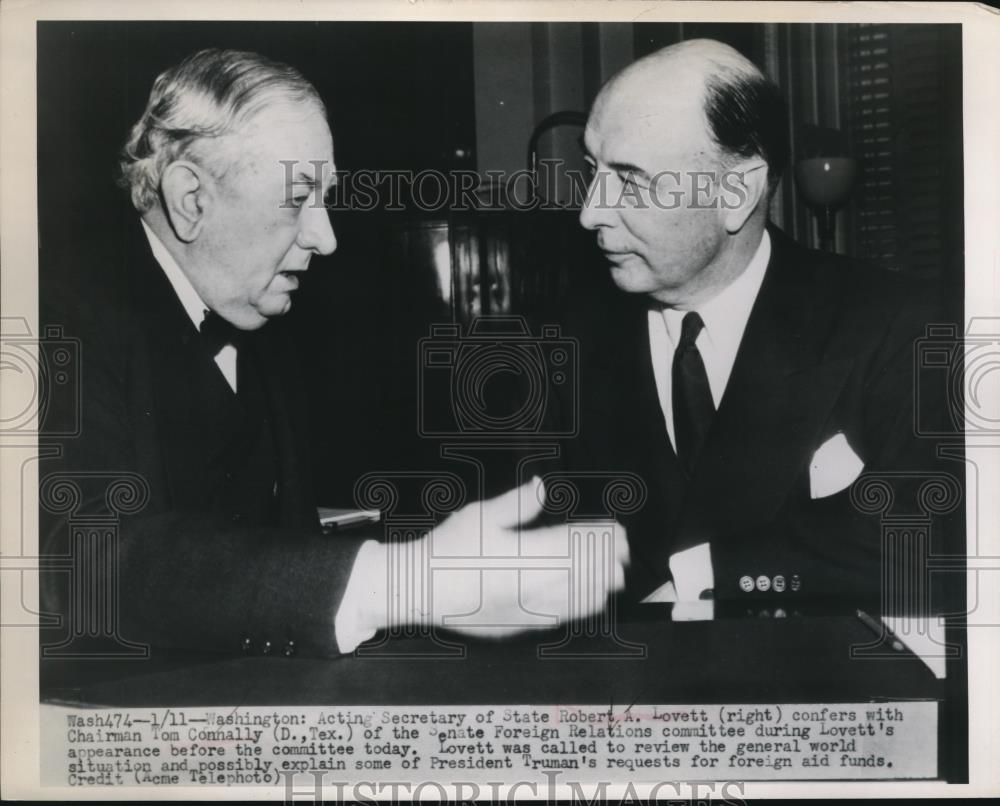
(290, 649)
(746, 584)
(266, 648)
(795, 582)
(246, 645)
(763, 583)
(778, 583)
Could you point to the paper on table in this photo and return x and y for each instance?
(696, 610)
(333, 518)
(924, 637)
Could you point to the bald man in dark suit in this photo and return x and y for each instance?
(750, 382)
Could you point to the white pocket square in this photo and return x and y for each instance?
(834, 467)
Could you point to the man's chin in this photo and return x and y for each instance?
(256, 318)
(631, 279)
(277, 305)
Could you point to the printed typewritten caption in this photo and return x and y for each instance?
(263, 746)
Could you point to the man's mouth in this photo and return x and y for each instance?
(612, 253)
(615, 256)
(291, 275)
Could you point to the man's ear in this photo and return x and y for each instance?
(744, 189)
(184, 196)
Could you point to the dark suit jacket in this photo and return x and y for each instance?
(828, 348)
(214, 560)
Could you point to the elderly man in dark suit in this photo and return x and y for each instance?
(747, 380)
(191, 389)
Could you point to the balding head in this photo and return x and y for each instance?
(688, 145)
(740, 111)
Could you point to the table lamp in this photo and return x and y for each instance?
(824, 175)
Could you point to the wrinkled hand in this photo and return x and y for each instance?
(492, 577)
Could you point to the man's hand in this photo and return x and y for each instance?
(481, 573)
(493, 577)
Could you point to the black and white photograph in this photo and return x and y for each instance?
(595, 401)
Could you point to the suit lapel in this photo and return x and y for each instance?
(779, 395)
(626, 429)
(190, 391)
(651, 429)
(288, 417)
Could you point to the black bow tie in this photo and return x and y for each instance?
(216, 333)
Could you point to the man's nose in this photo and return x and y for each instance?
(316, 232)
(594, 211)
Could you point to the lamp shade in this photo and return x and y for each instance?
(825, 181)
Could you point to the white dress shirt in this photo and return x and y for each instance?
(725, 316)
(196, 309)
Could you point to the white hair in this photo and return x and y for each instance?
(206, 96)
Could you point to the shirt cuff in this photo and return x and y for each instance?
(694, 581)
(363, 606)
(692, 572)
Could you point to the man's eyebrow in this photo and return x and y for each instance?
(304, 179)
(617, 167)
(628, 168)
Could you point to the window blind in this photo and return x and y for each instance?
(904, 120)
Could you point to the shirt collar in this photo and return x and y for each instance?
(725, 315)
(192, 302)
